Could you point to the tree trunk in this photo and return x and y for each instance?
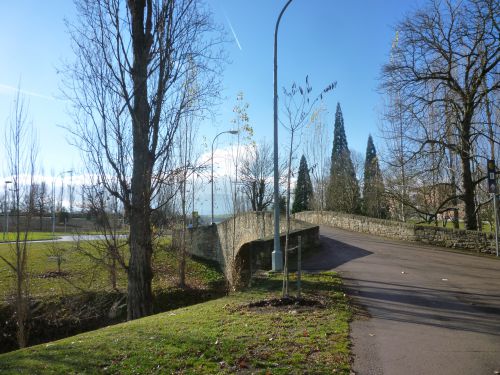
(287, 235)
(22, 307)
(468, 196)
(140, 274)
(468, 185)
(22, 317)
(182, 250)
(113, 271)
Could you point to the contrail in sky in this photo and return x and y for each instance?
(25, 92)
(232, 30)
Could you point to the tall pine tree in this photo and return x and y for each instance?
(304, 189)
(343, 189)
(374, 203)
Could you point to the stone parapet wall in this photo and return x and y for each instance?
(456, 238)
(432, 235)
(222, 242)
(357, 223)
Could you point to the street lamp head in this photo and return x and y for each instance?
(233, 131)
(8, 182)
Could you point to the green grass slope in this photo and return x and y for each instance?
(219, 336)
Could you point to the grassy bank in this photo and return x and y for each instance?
(81, 298)
(219, 336)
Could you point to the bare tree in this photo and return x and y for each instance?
(241, 124)
(358, 162)
(109, 251)
(128, 89)
(20, 145)
(297, 106)
(256, 175)
(318, 141)
(56, 251)
(41, 195)
(444, 54)
(421, 178)
(186, 159)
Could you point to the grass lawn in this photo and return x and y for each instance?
(81, 274)
(220, 336)
(32, 236)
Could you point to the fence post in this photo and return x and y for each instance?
(299, 265)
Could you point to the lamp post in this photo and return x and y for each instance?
(62, 191)
(62, 184)
(224, 132)
(71, 193)
(277, 256)
(6, 214)
(61, 175)
(53, 206)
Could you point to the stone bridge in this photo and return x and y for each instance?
(244, 243)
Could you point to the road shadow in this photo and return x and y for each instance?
(396, 301)
(455, 310)
(331, 254)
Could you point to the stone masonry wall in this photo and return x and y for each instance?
(256, 255)
(222, 242)
(438, 236)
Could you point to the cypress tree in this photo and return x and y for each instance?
(343, 188)
(303, 189)
(374, 204)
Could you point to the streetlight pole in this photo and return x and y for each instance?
(212, 180)
(53, 206)
(277, 257)
(54, 199)
(62, 184)
(71, 194)
(6, 214)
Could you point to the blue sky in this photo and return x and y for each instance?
(342, 41)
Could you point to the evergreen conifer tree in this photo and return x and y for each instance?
(343, 189)
(374, 204)
(303, 189)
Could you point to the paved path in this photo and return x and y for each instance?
(422, 310)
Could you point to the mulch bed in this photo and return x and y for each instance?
(53, 274)
(287, 302)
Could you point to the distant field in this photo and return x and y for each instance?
(32, 236)
(80, 273)
(42, 236)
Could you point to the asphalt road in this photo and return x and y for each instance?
(422, 310)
